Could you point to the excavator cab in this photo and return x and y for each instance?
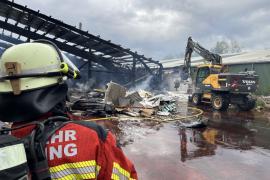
(202, 74)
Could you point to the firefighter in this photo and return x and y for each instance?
(176, 84)
(33, 88)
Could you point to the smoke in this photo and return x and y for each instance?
(87, 86)
(171, 78)
(144, 85)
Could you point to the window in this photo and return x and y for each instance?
(202, 74)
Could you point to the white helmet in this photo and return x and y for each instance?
(32, 80)
(34, 65)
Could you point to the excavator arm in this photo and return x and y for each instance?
(212, 58)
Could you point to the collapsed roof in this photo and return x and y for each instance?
(29, 25)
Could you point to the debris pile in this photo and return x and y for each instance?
(266, 100)
(139, 103)
(89, 104)
(263, 102)
(118, 101)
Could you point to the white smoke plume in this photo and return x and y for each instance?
(144, 85)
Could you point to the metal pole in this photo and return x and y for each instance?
(133, 74)
(29, 29)
(89, 69)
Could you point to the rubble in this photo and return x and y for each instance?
(114, 92)
(89, 104)
(117, 101)
(263, 102)
(266, 100)
(134, 96)
(144, 94)
(147, 112)
(161, 113)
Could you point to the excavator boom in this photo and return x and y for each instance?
(212, 58)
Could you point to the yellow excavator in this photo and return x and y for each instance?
(211, 85)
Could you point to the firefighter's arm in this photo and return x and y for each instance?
(115, 165)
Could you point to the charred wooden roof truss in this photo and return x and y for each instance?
(33, 25)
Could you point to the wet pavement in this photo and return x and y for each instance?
(234, 145)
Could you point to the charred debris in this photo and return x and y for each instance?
(119, 103)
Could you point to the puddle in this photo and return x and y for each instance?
(234, 145)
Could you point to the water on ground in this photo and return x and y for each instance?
(234, 145)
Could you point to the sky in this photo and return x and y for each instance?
(160, 28)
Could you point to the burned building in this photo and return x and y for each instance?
(98, 59)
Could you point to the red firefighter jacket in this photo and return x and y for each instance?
(79, 152)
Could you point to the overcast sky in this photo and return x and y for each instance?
(159, 28)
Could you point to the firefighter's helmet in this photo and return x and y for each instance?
(32, 80)
(34, 65)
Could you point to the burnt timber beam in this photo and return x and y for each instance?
(20, 16)
(110, 51)
(31, 19)
(72, 38)
(29, 34)
(60, 34)
(84, 43)
(145, 66)
(60, 23)
(8, 13)
(92, 40)
(52, 27)
(102, 48)
(89, 74)
(97, 43)
(41, 24)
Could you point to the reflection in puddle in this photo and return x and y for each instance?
(234, 145)
(196, 143)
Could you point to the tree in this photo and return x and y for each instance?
(221, 47)
(235, 47)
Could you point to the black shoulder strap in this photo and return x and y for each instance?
(38, 163)
(51, 129)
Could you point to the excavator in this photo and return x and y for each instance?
(210, 84)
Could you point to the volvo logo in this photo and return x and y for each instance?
(249, 81)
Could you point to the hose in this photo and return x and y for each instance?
(101, 119)
(199, 113)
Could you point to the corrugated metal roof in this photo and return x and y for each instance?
(257, 56)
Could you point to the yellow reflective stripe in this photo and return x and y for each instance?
(98, 168)
(77, 170)
(115, 177)
(72, 165)
(78, 176)
(121, 170)
(118, 169)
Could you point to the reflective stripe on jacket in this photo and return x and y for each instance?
(79, 152)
